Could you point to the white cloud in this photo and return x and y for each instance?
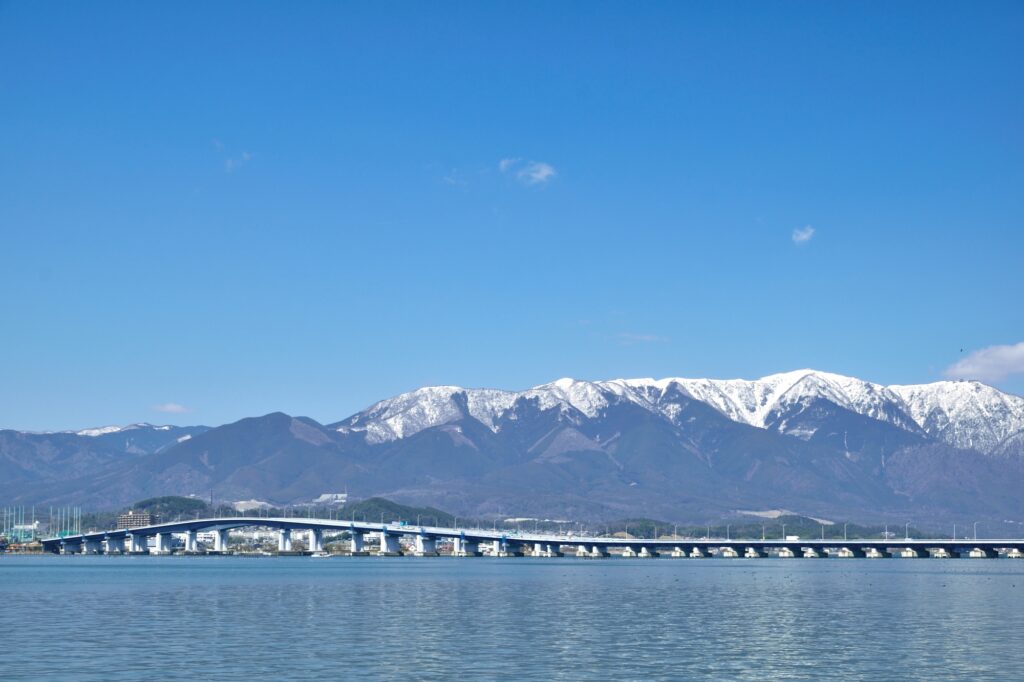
(171, 408)
(505, 164)
(626, 338)
(530, 172)
(536, 172)
(454, 178)
(802, 235)
(233, 164)
(994, 363)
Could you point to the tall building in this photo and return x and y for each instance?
(134, 519)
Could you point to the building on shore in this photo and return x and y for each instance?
(134, 519)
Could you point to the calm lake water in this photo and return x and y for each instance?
(295, 618)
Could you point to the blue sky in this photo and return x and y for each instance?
(241, 208)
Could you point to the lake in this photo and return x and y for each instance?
(297, 618)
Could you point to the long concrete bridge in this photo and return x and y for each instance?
(424, 541)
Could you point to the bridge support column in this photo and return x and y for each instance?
(538, 550)
(752, 553)
(284, 540)
(728, 553)
(629, 553)
(646, 553)
(92, 546)
(815, 553)
(979, 553)
(1015, 553)
(114, 545)
(464, 547)
(876, 553)
(137, 543)
(912, 553)
(597, 552)
(425, 546)
(678, 553)
(697, 552)
(504, 548)
(389, 545)
(356, 543)
(163, 544)
(220, 540)
(581, 551)
(848, 552)
(316, 540)
(553, 550)
(191, 542)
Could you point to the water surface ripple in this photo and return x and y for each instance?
(295, 618)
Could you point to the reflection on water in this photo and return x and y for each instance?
(119, 618)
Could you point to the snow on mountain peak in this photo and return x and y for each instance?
(963, 414)
(104, 430)
(967, 414)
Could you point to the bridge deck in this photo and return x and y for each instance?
(476, 535)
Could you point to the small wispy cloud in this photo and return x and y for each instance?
(536, 172)
(528, 172)
(171, 408)
(993, 363)
(454, 178)
(234, 163)
(628, 339)
(802, 235)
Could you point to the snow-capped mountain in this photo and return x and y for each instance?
(105, 430)
(963, 414)
(966, 414)
(672, 448)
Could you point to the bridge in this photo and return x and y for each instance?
(163, 538)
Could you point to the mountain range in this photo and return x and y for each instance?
(681, 449)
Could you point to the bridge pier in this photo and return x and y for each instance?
(629, 553)
(697, 552)
(425, 546)
(356, 543)
(92, 546)
(727, 553)
(877, 553)
(912, 553)
(645, 553)
(137, 543)
(162, 544)
(284, 540)
(191, 542)
(1015, 553)
(316, 540)
(848, 552)
(752, 553)
(113, 545)
(598, 552)
(389, 545)
(541, 549)
(979, 553)
(678, 553)
(815, 553)
(462, 547)
(504, 548)
(220, 540)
